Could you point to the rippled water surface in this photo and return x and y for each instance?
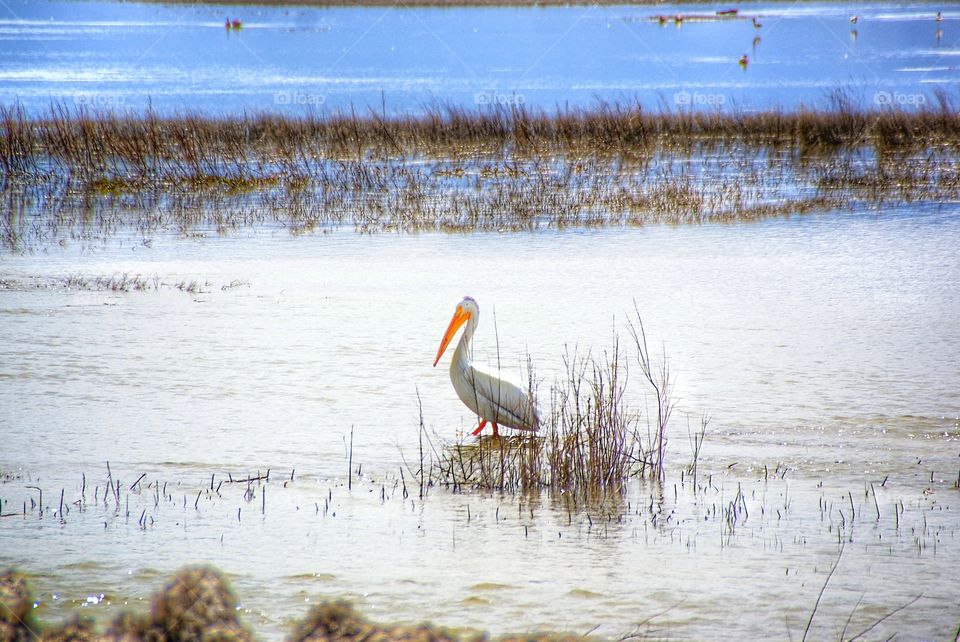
(180, 57)
(825, 349)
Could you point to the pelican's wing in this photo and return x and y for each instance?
(496, 398)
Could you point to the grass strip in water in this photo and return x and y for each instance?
(81, 175)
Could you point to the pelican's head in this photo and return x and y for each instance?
(467, 311)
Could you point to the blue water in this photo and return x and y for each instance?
(181, 57)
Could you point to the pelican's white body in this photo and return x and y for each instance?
(492, 395)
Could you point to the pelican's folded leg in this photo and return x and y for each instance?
(483, 422)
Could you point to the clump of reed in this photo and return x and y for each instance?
(593, 439)
(123, 282)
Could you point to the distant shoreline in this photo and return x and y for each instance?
(461, 3)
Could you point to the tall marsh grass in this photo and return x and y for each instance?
(76, 175)
(149, 145)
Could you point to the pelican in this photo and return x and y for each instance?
(493, 396)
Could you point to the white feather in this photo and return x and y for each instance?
(492, 395)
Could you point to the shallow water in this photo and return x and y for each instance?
(824, 348)
(181, 58)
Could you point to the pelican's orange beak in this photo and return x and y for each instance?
(459, 318)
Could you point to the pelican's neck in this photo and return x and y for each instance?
(463, 355)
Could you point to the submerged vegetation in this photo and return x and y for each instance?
(83, 176)
(114, 283)
(747, 506)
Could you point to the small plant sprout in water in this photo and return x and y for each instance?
(696, 437)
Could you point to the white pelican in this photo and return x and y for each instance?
(489, 393)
